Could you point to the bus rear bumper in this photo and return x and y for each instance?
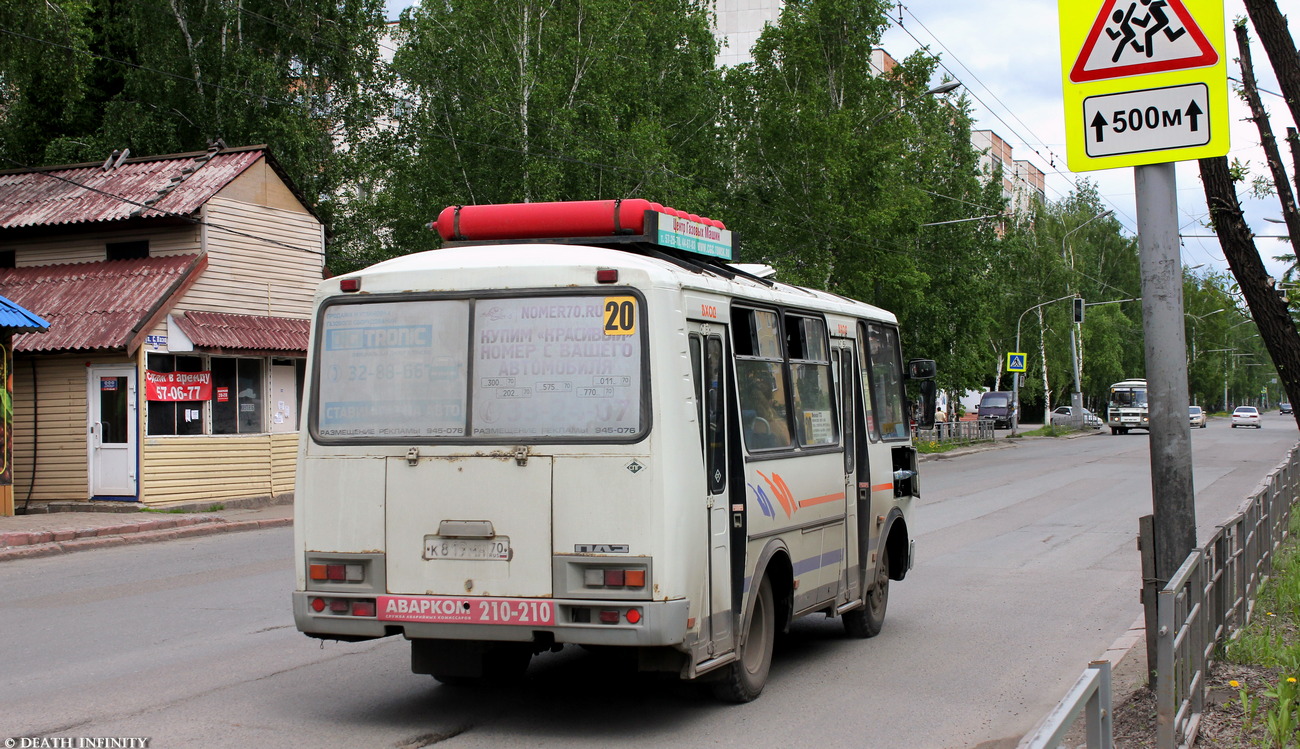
(577, 621)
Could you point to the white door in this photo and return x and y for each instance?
(112, 399)
(708, 359)
(284, 398)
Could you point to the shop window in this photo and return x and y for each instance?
(175, 417)
(237, 396)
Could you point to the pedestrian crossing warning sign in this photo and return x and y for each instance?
(1015, 362)
(1136, 37)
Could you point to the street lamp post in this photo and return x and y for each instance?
(1015, 376)
(1195, 319)
(1076, 398)
(942, 88)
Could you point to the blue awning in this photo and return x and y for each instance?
(15, 319)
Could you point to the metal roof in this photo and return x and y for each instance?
(102, 305)
(15, 319)
(150, 187)
(216, 330)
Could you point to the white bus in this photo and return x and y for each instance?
(608, 437)
(1127, 407)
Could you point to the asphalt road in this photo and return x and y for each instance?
(1027, 569)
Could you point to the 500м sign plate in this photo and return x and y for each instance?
(1149, 120)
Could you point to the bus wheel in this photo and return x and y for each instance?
(868, 620)
(743, 680)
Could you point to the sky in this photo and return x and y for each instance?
(1007, 56)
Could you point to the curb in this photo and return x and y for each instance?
(47, 543)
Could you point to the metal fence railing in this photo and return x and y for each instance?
(1211, 596)
(957, 431)
(1089, 696)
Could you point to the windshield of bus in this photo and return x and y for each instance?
(1122, 398)
(498, 369)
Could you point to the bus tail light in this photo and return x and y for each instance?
(613, 577)
(344, 606)
(584, 615)
(337, 573)
(329, 571)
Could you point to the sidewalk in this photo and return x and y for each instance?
(46, 533)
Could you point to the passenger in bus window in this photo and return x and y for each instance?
(762, 405)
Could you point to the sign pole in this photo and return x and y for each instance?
(1172, 493)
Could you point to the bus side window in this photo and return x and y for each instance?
(697, 371)
(864, 366)
(887, 382)
(810, 373)
(715, 432)
(760, 374)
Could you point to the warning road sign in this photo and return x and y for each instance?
(1145, 81)
(1135, 37)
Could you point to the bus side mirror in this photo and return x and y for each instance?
(920, 369)
(925, 419)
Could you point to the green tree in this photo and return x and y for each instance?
(86, 77)
(538, 101)
(837, 167)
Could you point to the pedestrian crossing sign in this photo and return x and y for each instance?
(1015, 362)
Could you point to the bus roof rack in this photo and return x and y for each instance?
(636, 225)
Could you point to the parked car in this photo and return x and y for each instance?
(998, 406)
(1063, 416)
(1197, 416)
(1246, 416)
(1284, 407)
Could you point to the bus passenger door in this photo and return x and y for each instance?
(708, 366)
(857, 485)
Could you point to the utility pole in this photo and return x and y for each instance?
(1076, 397)
(1172, 494)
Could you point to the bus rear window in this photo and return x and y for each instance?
(500, 369)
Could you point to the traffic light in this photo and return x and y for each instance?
(1078, 310)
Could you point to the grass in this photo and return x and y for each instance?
(929, 447)
(1047, 430)
(1262, 664)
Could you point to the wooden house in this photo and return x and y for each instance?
(178, 294)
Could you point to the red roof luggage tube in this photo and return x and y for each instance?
(581, 218)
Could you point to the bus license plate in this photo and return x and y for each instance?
(457, 610)
(437, 547)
